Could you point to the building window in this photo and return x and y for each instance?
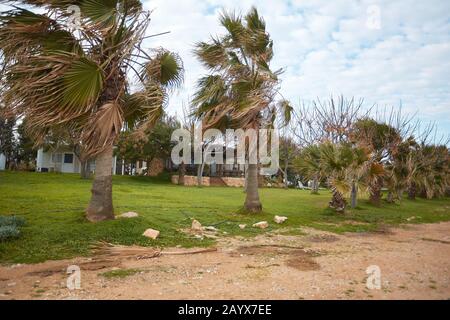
(56, 157)
(68, 157)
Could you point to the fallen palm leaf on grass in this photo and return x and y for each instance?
(108, 255)
(189, 252)
(108, 249)
(104, 249)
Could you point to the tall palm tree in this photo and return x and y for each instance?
(240, 90)
(59, 75)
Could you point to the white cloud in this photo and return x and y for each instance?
(326, 48)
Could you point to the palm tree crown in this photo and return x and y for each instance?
(241, 84)
(57, 76)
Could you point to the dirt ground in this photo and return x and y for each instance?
(414, 261)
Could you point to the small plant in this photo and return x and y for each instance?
(11, 221)
(9, 227)
(9, 232)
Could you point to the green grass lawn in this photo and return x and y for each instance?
(53, 206)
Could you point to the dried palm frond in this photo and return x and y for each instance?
(103, 128)
(165, 68)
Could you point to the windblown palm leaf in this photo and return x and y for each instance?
(165, 68)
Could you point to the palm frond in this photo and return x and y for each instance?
(103, 128)
(233, 23)
(165, 68)
(83, 82)
(213, 55)
(254, 21)
(211, 90)
(101, 12)
(286, 109)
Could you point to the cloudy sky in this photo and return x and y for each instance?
(389, 52)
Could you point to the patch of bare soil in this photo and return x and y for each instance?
(303, 261)
(414, 262)
(293, 257)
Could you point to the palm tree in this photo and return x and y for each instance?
(343, 165)
(418, 168)
(309, 165)
(240, 89)
(380, 140)
(57, 75)
(431, 175)
(400, 168)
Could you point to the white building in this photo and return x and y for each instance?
(62, 161)
(2, 161)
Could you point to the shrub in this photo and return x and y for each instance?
(9, 232)
(9, 227)
(11, 221)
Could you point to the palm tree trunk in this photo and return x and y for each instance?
(83, 169)
(390, 197)
(101, 206)
(285, 173)
(337, 202)
(252, 203)
(148, 167)
(354, 195)
(84, 172)
(423, 194)
(315, 186)
(375, 193)
(399, 193)
(412, 191)
(245, 175)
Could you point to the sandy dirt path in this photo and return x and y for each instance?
(414, 261)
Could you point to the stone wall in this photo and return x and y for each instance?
(211, 181)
